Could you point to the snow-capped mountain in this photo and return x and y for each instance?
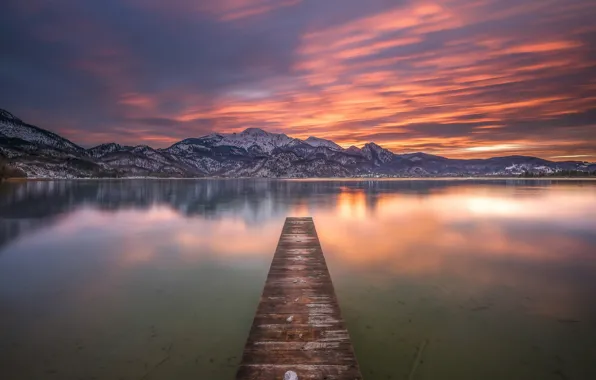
(36, 152)
(104, 149)
(316, 142)
(13, 128)
(251, 139)
(377, 154)
(251, 153)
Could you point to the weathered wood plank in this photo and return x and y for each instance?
(298, 325)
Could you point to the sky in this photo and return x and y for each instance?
(458, 78)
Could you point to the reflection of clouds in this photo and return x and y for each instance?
(481, 237)
(476, 232)
(258, 202)
(142, 235)
(367, 228)
(230, 238)
(478, 220)
(352, 205)
(89, 220)
(563, 207)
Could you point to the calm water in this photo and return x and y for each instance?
(160, 279)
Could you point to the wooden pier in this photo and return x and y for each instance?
(298, 325)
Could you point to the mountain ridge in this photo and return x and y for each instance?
(254, 152)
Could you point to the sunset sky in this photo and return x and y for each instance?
(458, 78)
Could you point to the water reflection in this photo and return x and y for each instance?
(26, 205)
(132, 278)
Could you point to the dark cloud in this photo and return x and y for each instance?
(156, 121)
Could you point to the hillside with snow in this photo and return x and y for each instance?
(39, 153)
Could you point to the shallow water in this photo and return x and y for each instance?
(156, 279)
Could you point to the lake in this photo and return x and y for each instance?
(160, 279)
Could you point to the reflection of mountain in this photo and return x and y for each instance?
(252, 153)
(28, 205)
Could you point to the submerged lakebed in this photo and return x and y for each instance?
(160, 279)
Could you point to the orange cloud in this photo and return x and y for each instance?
(395, 74)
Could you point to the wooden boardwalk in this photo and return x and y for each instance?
(298, 326)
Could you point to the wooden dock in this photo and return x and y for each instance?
(298, 325)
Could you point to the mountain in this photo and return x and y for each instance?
(12, 128)
(40, 153)
(105, 149)
(251, 153)
(378, 155)
(316, 142)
